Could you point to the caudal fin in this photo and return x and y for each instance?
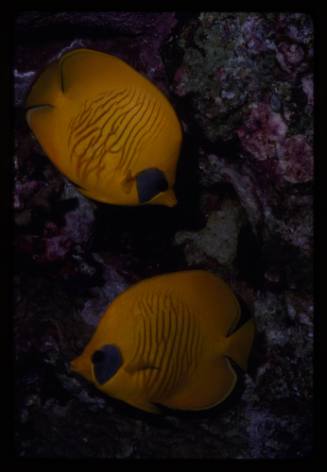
(239, 344)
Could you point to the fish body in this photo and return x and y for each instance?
(107, 128)
(167, 340)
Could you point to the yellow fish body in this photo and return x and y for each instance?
(107, 128)
(167, 340)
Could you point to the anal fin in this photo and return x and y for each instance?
(240, 343)
(144, 405)
(209, 385)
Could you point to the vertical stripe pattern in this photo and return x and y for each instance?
(110, 131)
(168, 343)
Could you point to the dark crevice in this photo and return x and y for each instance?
(249, 259)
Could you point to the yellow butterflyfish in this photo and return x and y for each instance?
(107, 128)
(168, 340)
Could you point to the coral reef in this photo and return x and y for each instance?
(242, 85)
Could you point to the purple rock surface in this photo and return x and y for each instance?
(242, 85)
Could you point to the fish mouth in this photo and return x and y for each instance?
(81, 366)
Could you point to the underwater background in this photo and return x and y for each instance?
(242, 86)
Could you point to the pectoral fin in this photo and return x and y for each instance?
(141, 403)
(209, 385)
(136, 366)
(145, 406)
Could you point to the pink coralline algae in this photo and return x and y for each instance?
(263, 132)
(289, 56)
(79, 222)
(180, 77)
(295, 26)
(255, 35)
(24, 191)
(264, 136)
(295, 161)
(56, 248)
(307, 86)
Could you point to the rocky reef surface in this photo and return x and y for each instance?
(242, 85)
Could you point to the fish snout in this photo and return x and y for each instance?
(82, 366)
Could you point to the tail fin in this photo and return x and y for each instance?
(239, 344)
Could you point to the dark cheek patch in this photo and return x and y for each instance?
(149, 183)
(106, 362)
